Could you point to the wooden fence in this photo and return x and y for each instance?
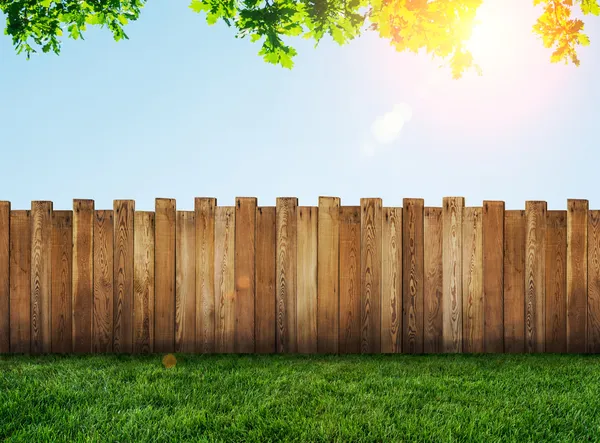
(300, 279)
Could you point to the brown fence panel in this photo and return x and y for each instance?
(370, 267)
(472, 281)
(556, 281)
(102, 327)
(224, 279)
(205, 274)
(493, 275)
(413, 275)
(123, 276)
(144, 273)
(349, 313)
(62, 294)
(286, 274)
(577, 238)
(452, 265)
(4, 277)
(514, 281)
(185, 282)
(164, 274)
(83, 274)
(593, 290)
(307, 280)
(391, 290)
(432, 281)
(264, 323)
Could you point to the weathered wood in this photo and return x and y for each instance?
(245, 242)
(391, 294)
(349, 330)
(83, 274)
(62, 295)
(205, 274)
(556, 281)
(286, 274)
(452, 269)
(4, 277)
(433, 281)
(514, 281)
(307, 281)
(472, 281)
(264, 322)
(185, 282)
(164, 256)
(123, 211)
(144, 274)
(493, 275)
(593, 289)
(370, 266)
(102, 327)
(224, 279)
(328, 274)
(577, 272)
(20, 281)
(413, 273)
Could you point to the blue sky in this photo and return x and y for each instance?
(184, 109)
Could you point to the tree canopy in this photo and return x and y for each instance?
(440, 27)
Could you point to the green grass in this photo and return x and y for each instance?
(482, 398)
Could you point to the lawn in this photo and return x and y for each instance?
(483, 398)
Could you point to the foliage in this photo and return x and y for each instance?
(440, 27)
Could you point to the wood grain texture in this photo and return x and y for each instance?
(205, 273)
(413, 273)
(41, 276)
(102, 326)
(493, 275)
(245, 244)
(4, 277)
(349, 330)
(185, 282)
(286, 274)
(224, 279)
(307, 280)
(593, 290)
(535, 258)
(62, 294)
(370, 266)
(432, 281)
(556, 281)
(264, 322)
(391, 293)
(144, 274)
(164, 275)
(472, 281)
(20, 281)
(577, 264)
(83, 274)
(514, 281)
(328, 275)
(452, 269)
(123, 211)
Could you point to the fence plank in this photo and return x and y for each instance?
(62, 262)
(83, 274)
(102, 326)
(493, 275)
(349, 311)
(556, 281)
(224, 279)
(245, 237)
(391, 295)
(307, 280)
(144, 274)
(286, 274)
(20, 281)
(328, 274)
(205, 274)
(472, 280)
(593, 294)
(4, 277)
(123, 211)
(370, 266)
(164, 274)
(413, 244)
(577, 238)
(41, 282)
(514, 281)
(432, 281)
(264, 323)
(185, 282)
(452, 268)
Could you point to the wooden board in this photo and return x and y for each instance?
(245, 241)
(4, 277)
(472, 281)
(391, 293)
(123, 211)
(556, 281)
(493, 275)
(307, 282)
(514, 281)
(83, 274)
(349, 330)
(102, 326)
(433, 281)
(41, 276)
(264, 322)
(205, 274)
(370, 270)
(577, 238)
(593, 294)
(185, 282)
(62, 262)
(286, 274)
(535, 258)
(452, 269)
(413, 275)
(224, 279)
(144, 274)
(164, 255)
(328, 309)
(20, 281)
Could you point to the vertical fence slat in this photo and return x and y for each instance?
(185, 282)
(577, 233)
(83, 272)
(493, 275)
(123, 211)
(349, 311)
(4, 277)
(41, 277)
(328, 274)
(245, 237)
(205, 274)
(20, 281)
(265, 280)
(102, 327)
(556, 281)
(472, 281)
(164, 274)
(225, 279)
(370, 265)
(286, 274)
(514, 281)
(62, 295)
(307, 280)
(452, 264)
(391, 294)
(593, 289)
(144, 275)
(432, 280)
(413, 263)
